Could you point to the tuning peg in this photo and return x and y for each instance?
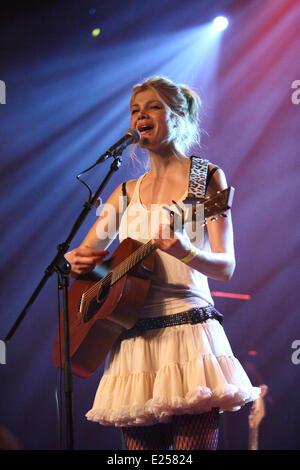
(169, 210)
(178, 206)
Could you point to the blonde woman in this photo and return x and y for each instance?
(166, 385)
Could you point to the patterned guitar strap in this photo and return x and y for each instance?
(197, 181)
(196, 189)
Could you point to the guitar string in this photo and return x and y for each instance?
(122, 268)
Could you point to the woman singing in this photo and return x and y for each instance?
(166, 385)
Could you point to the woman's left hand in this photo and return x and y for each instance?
(176, 244)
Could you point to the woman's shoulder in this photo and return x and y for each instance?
(216, 179)
(213, 167)
(129, 187)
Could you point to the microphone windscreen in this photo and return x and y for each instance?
(135, 134)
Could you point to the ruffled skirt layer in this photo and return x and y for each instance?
(186, 369)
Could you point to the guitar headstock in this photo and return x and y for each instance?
(210, 207)
(218, 203)
(257, 412)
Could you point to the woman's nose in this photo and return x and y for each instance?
(142, 114)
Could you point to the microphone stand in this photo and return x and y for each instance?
(61, 266)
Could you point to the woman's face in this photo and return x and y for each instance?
(153, 120)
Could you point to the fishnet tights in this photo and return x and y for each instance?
(186, 432)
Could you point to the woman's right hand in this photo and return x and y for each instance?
(84, 259)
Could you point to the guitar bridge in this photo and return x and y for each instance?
(81, 309)
(88, 307)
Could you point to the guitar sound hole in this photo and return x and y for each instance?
(95, 304)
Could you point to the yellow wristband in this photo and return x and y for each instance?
(189, 257)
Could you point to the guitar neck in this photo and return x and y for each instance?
(131, 261)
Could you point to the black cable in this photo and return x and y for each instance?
(85, 184)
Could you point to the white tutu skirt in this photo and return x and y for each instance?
(185, 369)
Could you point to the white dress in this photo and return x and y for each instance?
(181, 369)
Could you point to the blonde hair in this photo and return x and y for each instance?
(184, 104)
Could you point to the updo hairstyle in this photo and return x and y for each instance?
(184, 104)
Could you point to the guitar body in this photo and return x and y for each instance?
(113, 309)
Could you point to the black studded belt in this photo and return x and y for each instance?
(192, 317)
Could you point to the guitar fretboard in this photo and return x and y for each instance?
(138, 255)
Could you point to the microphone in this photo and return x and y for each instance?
(132, 136)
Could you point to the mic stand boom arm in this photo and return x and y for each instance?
(60, 265)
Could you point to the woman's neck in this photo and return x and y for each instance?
(165, 162)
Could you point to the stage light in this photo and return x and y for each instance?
(96, 32)
(231, 295)
(220, 23)
(252, 352)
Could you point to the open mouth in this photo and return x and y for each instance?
(145, 129)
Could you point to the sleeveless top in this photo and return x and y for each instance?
(175, 287)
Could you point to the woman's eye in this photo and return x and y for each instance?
(134, 111)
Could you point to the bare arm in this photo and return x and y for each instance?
(93, 248)
(220, 262)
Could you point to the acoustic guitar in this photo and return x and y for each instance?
(102, 307)
(257, 413)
